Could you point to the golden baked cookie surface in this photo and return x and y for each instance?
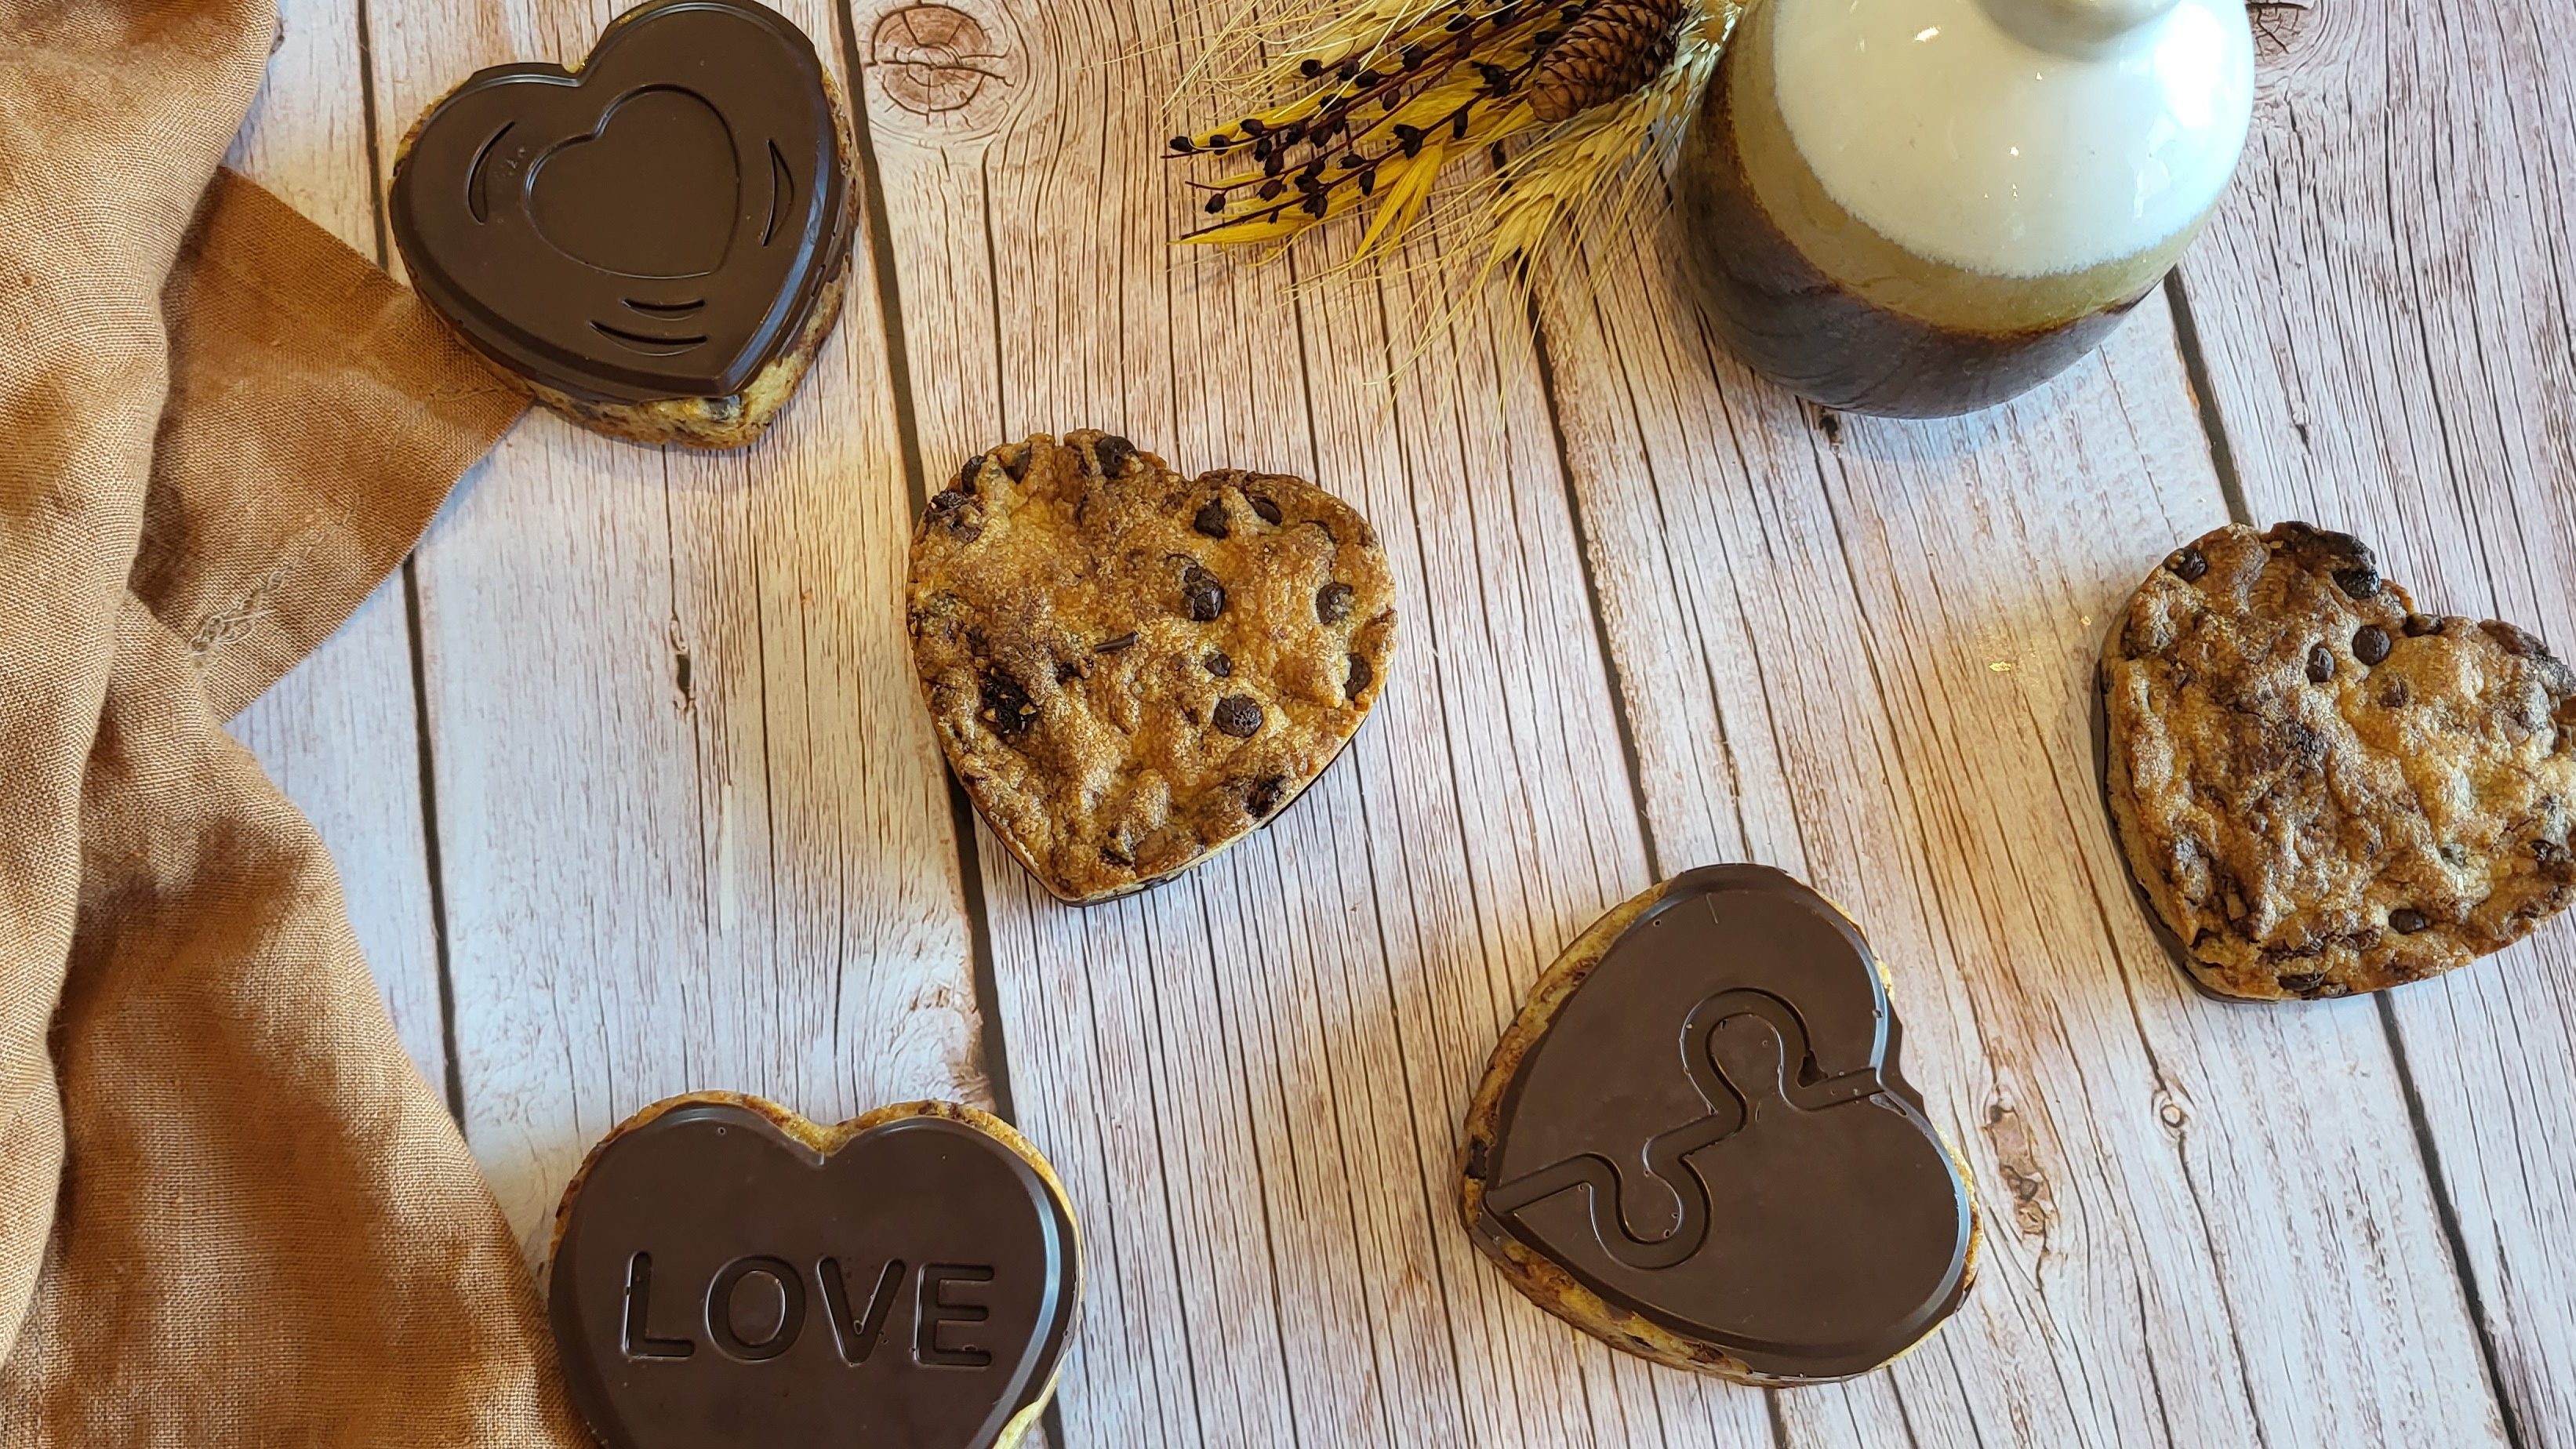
(1129, 669)
(2322, 791)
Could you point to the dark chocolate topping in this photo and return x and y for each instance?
(659, 224)
(1712, 1133)
(718, 1282)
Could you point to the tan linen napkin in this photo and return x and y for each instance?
(231, 1211)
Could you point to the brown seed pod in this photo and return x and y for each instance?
(1613, 49)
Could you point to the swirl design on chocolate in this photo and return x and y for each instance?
(1700, 1120)
(657, 224)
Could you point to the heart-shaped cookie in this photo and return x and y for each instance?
(1695, 1145)
(2321, 790)
(1131, 670)
(663, 223)
(726, 1272)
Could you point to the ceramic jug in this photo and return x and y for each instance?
(1924, 207)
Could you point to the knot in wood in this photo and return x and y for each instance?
(1616, 47)
(933, 59)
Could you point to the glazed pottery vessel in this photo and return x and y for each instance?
(1924, 207)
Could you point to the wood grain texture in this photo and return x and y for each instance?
(690, 820)
(1864, 656)
(1864, 651)
(338, 734)
(1253, 1078)
(2384, 308)
(693, 831)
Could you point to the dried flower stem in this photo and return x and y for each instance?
(1363, 107)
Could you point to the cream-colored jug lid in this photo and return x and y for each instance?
(2017, 137)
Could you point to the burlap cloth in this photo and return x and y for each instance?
(231, 1211)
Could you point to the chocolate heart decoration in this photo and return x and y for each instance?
(1699, 1119)
(727, 1273)
(656, 225)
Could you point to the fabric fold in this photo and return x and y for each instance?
(318, 414)
(231, 1211)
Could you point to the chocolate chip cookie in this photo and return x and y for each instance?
(1131, 670)
(2321, 790)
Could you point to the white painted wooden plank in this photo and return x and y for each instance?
(1253, 1077)
(1864, 650)
(338, 733)
(691, 825)
(2384, 307)
(1234, 1103)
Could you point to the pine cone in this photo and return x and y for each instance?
(1616, 47)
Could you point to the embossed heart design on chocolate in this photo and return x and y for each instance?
(654, 225)
(1695, 1142)
(2320, 790)
(726, 1272)
(585, 204)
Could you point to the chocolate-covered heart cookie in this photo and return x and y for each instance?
(2321, 790)
(1130, 670)
(663, 226)
(726, 1272)
(1694, 1143)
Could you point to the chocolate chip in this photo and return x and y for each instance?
(2341, 556)
(1006, 705)
(1202, 597)
(2300, 983)
(1066, 672)
(1268, 510)
(1017, 463)
(2510, 639)
(1361, 676)
(2320, 664)
(2419, 625)
(1111, 453)
(967, 473)
(2406, 920)
(1116, 853)
(1112, 646)
(2396, 695)
(2187, 564)
(2370, 644)
(1475, 1158)
(1238, 715)
(1263, 796)
(1333, 602)
(949, 508)
(1218, 665)
(1210, 519)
